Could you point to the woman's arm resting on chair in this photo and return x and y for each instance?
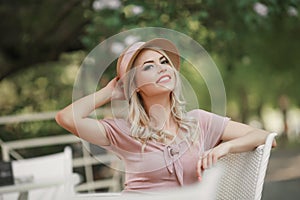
(242, 137)
(237, 137)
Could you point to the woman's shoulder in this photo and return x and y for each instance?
(196, 113)
(115, 120)
(116, 123)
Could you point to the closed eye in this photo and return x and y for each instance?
(147, 67)
(164, 61)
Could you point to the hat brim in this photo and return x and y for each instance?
(127, 58)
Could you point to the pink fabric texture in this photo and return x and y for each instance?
(162, 166)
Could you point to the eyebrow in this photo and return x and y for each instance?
(151, 61)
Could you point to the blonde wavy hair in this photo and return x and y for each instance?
(139, 119)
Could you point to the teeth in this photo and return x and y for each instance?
(164, 79)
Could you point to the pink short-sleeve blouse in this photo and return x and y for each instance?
(162, 166)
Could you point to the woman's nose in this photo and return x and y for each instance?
(161, 69)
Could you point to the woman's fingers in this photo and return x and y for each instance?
(201, 165)
(210, 157)
(207, 159)
(214, 159)
(199, 170)
(204, 161)
(117, 88)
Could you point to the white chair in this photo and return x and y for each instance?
(48, 177)
(243, 174)
(237, 176)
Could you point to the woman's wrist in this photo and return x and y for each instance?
(228, 145)
(103, 96)
(247, 142)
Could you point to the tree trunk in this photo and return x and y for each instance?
(244, 108)
(283, 105)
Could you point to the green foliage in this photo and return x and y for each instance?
(255, 42)
(44, 87)
(38, 89)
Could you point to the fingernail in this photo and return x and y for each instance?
(199, 178)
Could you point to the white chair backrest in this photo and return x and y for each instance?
(55, 171)
(54, 166)
(243, 174)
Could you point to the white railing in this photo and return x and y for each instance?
(10, 150)
(12, 146)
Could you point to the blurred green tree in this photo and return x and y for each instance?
(39, 31)
(253, 40)
(41, 88)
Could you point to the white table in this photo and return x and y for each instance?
(23, 188)
(98, 196)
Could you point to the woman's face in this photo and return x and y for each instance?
(154, 74)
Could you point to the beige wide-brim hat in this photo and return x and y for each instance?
(128, 56)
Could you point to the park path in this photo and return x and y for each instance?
(283, 175)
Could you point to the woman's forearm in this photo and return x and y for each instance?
(247, 142)
(82, 108)
(74, 117)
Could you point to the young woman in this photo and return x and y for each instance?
(161, 144)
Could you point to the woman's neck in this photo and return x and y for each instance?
(162, 100)
(158, 109)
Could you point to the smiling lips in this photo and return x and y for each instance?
(163, 79)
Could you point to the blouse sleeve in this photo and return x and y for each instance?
(113, 129)
(117, 132)
(212, 127)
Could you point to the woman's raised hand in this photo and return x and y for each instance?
(116, 88)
